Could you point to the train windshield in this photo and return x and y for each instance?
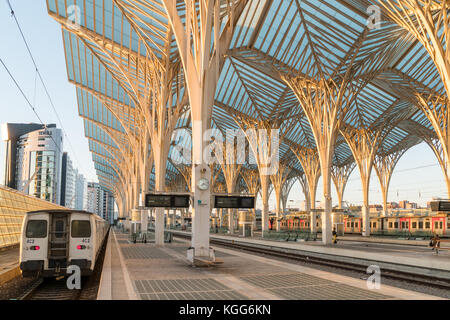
(81, 229)
(36, 229)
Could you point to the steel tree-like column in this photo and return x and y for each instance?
(201, 45)
(324, 105)
(251, 179)
(278, 180)
(364, 145)
(384, 167)
(285, 190)
(310, 162)
(340, 175)
(428, 22)
(231, 167)
(263, 138)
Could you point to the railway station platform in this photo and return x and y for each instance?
(399, 256)
(143, 271)
(9, 264)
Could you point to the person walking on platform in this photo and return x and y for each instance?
(436, 242)
(334, 236)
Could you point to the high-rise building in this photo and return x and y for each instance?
(100, 201)
(68, 189)
(38, 163)
(10, 134)
(80, 191)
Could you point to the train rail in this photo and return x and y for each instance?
(310, 258)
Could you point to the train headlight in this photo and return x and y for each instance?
(81, 247)
(35, 248)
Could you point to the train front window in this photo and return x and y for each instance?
(36, 229)
(81, 229)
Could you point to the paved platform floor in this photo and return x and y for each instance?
(147, 272)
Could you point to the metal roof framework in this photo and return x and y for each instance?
(341, 93)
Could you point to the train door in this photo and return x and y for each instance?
(405, 224)
(58, 241)
(438, 225)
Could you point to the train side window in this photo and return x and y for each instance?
(81, 229)
(396, 225)
(36, 229)
(414, 225)
(440, 225)
(390, 224)
(427, 225)
(420, 224)
(436, 226)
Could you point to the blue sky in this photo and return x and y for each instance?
(44, 38)
(417, 173)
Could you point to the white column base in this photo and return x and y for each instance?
(326, 222)
(159, 227)
(201, 211)
(365, 221)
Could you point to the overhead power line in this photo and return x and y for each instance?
(43, 83)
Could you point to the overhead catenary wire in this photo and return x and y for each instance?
(28, 101)
(43, 84)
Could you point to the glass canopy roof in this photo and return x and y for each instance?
(114, 52)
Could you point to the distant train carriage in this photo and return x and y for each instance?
(419, 226)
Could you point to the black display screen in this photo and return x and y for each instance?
(440, 206)
(230, 202)
(167, 201)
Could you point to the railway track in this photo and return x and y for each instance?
(51, 289)
(390, 273)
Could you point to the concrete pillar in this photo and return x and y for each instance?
(144, 220)
(201, 208)
(312, 205)
(159, 227)
(365, 221)
(230, 221)
(326, 214)
(182, 218)
(265, 200)
(278, 209)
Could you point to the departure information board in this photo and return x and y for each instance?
(167, 201)
(233, 202)
(440, 206)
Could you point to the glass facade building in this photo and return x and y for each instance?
(13, 206)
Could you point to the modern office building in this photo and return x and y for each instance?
(38, 163)
(100, 201)
(10, 134)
